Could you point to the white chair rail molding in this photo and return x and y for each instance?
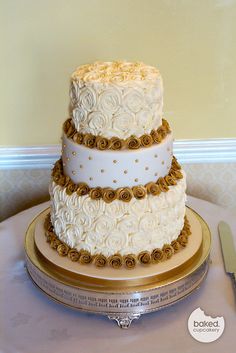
(210, 165)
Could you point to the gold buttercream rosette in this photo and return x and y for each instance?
(124, 194)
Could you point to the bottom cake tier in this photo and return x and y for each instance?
(145, 229)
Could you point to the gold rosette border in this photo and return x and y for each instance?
(124, 194)
(115, 143)
(117, 261)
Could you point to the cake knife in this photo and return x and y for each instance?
(228, 250)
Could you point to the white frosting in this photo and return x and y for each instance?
(116, 168)
(103, 105)
(115, 71)
(120, 227)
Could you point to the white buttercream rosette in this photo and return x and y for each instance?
(95, 239)
(115, 242)
(92, 208)
(140, 240)
(116, 209)
(74, 93)
(58, 206)
(157, 204)
(88, 98)
(148, 222)
(84, 219)
(66, 214)
(128, 224)
(88, 247)
(134, 100)
(138, 207)
(74, 234)
(54, 191)
(109, 101)
(74, 202)
(79, 117)
(123, 123)
(104, 225)
(156, 238)
(59, 225)
(98, 123)
(144, 120)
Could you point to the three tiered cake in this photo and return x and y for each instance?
(117, 193)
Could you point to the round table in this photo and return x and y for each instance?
(32, 323)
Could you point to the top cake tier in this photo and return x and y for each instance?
(116, 99)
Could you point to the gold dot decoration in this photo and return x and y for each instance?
(115, 161)
(90, 178)
(136, 160)
(73, 172)
(168, 149)
(102, 170)
(64, 145)
(146, 168)
(125, 171)
(156, 174)
(64, 164)
(155, 155)
(68, 159)
(162, 162)
(90, 158)
(136, 180)
(114, 181)
(81, 166)
(74, 153)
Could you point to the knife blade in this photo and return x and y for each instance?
(228, 249)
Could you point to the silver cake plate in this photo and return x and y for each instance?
(128, 294)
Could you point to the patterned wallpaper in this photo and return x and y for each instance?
(21, 189)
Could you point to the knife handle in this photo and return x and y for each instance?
(233, 275)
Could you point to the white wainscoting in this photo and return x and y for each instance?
(187, 151)
(210, 166)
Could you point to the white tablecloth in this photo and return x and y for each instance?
(32, 323)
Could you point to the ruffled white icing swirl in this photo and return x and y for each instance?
(123, 123)
(134, 100)
(104, 225)
(79, 117)
(115, 242)
(144, 120)
(74, 202)
(74, 93)
(97, 123)
(128, 224)
(66, 214)
(88, 98)
(75, 234)
(148, 222)
(140, 240)
(138, 207)
(84, 219)
(109, 101)
(93, 208)
(95, 239)
(115, 209)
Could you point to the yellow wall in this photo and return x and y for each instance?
(192, 42)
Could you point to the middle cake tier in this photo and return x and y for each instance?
(116, 168)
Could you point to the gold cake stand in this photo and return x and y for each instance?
(122, 295)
